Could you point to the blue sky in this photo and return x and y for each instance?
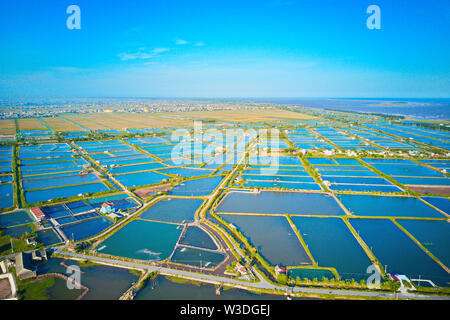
(264, 48)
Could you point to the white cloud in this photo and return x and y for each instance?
(200, 44)
(141, 54)
(181, 41)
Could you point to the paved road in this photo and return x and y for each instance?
(253, 285)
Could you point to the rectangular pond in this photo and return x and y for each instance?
(333, 245)
(379, 206)
(433, 235)
(85, 229)
(15, 218)
(143, 240)
(398, 252)
(273, 237)
(197, 187)
(280, 203)
(63, 192)
(173, 210)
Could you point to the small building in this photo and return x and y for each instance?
(37, 213)
(107, 208)
(241, 269)
(280, 270)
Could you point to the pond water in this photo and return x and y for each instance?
(348, 173)
(407, 170)
(6, 196)
(15, 218)
(197, 187)
(440, 203)
(197, 258)
(163, 289)
(196, 237)
(86, 229)
(63, 192)
(144, 240)
(264, 171)
(286, 185)
(310, 273)
(29, 184)
(369, 205)
(280, 202)
(17, 232)
(424, 181)
(395, 249)
(433, 235)
(136, 167)
(140, 179)
(48, 237)
(273, 237)
(277, 178)
(173, 210)
(104, 282)
(332, 245)
(364, 188)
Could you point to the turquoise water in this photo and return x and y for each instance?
(433, 235)
(279, 172)
(186, 172)
(277, 178)
(321, 161)
(273, 237)
(85, 229)
(39, 183)
(395, 249)
(107, 198)
(140, 179)
(173, 210)
(137, 167)
(333, 245)
(368, 205)
(144, 240)
(196, 237)
(197, 258)
(310, 274)
(364, 188)
(287, 185)
(198, 187)
(280, 202)
(347, 162)
(15, 218)
(63, 192)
